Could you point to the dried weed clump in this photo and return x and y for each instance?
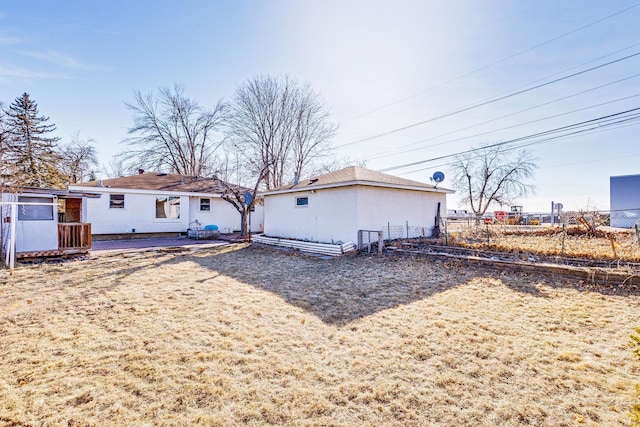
(252, 336)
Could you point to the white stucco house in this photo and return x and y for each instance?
(45, 222)
(624, 194)
(160, 204)
(334, 206)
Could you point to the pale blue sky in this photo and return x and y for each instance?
(82, 60)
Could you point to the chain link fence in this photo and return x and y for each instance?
(623, 218)
(598, 234)
(405, 231)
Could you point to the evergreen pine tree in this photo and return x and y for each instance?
(29, 148)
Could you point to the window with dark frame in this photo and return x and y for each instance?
(116, 201)
(205, 205)
(302, 201)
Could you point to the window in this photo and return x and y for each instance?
(168, 207)
(302, 201)
(116, 201)
(39, 212)
(205, 205)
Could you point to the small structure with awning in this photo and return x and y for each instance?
(38, 222)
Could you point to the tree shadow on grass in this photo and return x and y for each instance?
(341, 290)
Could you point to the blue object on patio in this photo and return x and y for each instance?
(211, 227)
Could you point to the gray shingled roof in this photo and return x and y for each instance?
(355, 174)
(159, 182)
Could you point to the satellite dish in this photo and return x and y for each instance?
(248, 198)
(437, 177)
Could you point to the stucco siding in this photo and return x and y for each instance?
(379, 208)
(336, 214)
(329, 216)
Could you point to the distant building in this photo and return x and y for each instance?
(624, 193)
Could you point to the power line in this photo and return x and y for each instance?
(598, 121)
(556, 138)
(484, 67)
(575, 66)
(490, 101)
(529, 108)
(506, 127)
(626, 156)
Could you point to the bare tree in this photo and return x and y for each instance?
(332, 165)
(77, 158)
(231, 172)
(313, 130)
(493, 174)
(172, 131)
(280, 126)
(6, 167)
(6, 174)
(116, 168)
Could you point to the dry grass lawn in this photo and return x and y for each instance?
(253, 336)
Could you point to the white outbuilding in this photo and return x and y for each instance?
(332, 207)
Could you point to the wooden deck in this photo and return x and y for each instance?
(74, 238)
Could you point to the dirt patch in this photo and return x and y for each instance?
(241, 335)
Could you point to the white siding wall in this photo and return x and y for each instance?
(378, 207)
(330, 215)
(139, 213)
(223, 214)
(338, 213)
(37, 235)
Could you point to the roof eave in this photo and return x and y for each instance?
(144, 191)
(298, 188)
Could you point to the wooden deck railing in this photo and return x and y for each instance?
(74, 235)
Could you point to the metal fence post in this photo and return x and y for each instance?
(488, 241)
(12, 248)
(564, 233)
(407, 229)
(446, 234)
